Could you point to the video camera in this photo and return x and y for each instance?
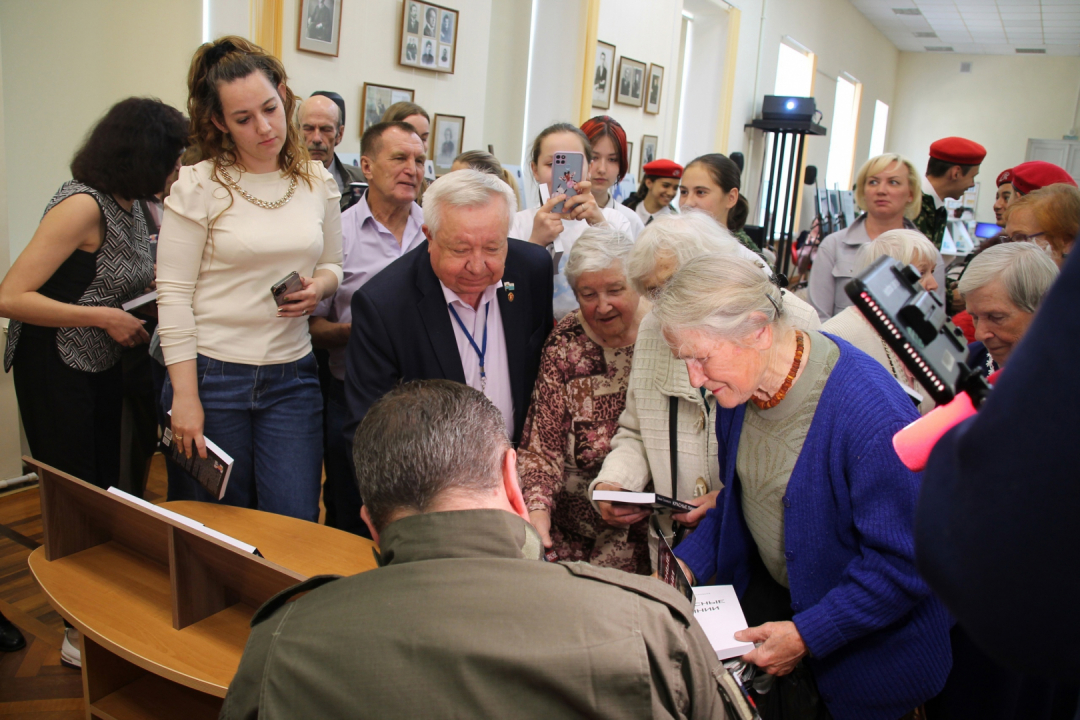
(914, 324)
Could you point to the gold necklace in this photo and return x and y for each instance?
(254, 200)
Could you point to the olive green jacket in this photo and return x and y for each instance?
(932, 220)
(460, 622)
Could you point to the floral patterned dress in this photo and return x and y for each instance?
(579, 395)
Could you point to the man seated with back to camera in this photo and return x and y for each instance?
(468, 305)
(462, 618)
(385, 224)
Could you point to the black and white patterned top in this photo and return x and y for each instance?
(122, 267)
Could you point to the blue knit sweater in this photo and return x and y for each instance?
(878, 640)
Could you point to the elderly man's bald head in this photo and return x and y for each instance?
(320, 121)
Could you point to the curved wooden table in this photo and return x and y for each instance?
(135, 664)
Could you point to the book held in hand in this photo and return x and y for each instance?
(138, 302)
(717, 609)
(658, 501)
(668, 568)
(212, 472)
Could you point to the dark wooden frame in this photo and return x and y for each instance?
(363, 100)
(648, 84)
(434, 140)
(641, 159)
(404, 28)
(337, 25)
(613, 77)
(644, 79)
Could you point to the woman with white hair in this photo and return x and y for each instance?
(911, 248)
(814, 524)
(1002, 288)
(680, 464)
(579, 395)
(887, 189)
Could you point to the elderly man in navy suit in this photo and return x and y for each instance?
(468, 305)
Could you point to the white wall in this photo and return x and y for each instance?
(1001, 103)
(370, 32)
(508, 63)
(700, 116)
(843, 40)
(66, 63)
(655, 40)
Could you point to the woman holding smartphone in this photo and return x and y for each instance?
(557, 231)
(609, 166)
(252, 213)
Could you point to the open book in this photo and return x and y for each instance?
(658, 501)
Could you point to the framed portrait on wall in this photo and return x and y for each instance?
(631, 87)
(319, 27)
(654, 88)
(428, 36)
(603, 75)
(648, 151)
(447, 132)
(376, 98)
(629, 154)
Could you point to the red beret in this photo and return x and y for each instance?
(1036, 174)
(1005, 178)
(663, 168)
(958, 150)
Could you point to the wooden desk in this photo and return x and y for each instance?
(135, 664)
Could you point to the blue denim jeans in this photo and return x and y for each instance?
(269, 418)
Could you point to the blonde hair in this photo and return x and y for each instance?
(907, 246)
(723, 295)
(875, 165)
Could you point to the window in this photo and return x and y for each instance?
(844, 129)
(684, 84)
(881, 124)
(794, 77)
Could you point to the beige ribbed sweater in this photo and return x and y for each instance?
(640, 449)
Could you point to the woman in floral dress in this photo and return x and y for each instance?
(579, 395)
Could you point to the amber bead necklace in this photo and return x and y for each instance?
(795, 364)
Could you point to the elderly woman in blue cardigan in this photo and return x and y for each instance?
(814, 524)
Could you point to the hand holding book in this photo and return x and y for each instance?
(704, 503)
(620, 515)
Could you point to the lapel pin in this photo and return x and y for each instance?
(509, 291)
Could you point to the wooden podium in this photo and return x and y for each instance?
(164, 608)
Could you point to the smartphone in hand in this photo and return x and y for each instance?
(286, 286)
(567, 169)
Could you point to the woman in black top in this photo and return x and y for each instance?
(89, 255)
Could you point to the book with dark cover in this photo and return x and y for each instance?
(212, 472)
(658, 501)
(668, 568)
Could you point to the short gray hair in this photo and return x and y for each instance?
(681, 237)
(725, 296)
(465, 188)
(422, 439)
(596, 250)
(907, 246)
(1025, 270)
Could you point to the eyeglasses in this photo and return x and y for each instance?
(1021, 237)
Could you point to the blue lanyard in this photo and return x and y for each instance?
(480, 351)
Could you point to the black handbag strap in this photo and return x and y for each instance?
(677, 531)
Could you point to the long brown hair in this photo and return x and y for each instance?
(225, 60)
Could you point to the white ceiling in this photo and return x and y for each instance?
(979, 27)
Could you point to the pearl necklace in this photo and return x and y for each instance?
(254, 200)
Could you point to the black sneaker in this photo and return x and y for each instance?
(11, 640)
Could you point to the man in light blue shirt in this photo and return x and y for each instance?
(381, 227)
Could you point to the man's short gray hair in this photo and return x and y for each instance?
(465, 188)
(1025, 270)
(422, 439)
(679, 238)
(596, 250)
(908, 246)
(725, 296)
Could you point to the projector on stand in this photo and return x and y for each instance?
(779, 107)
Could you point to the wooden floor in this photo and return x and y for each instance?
(33, 683)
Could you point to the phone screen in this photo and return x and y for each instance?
(566, 173)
